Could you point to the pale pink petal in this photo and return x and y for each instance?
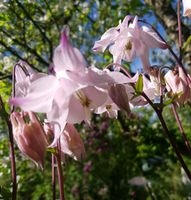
(66, 57)
(97, 96)
(171, 81)
(107, 38)
(124, 25)
(151, 39)
(145, 62)
(76, 111)
(96, 77)
(40, 95)
(59, 113)
(20, 74)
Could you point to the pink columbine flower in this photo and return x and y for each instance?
(71, 93)
(129, 40)
(186, 8)
(178, 83)
(29, 137)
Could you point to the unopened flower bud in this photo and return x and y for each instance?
(29, 137)
(71, 143)
(119, 96)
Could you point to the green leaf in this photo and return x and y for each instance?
(51, 150)
(139, 85)
(188, 41)
(171, 100)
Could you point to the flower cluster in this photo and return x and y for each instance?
(71, 92)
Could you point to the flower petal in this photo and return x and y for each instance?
(39, 97)
(66, 57)
(107, 38)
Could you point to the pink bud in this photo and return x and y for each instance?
(71, 143)
(29, 137)
(119, 96)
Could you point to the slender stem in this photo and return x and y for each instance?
(179, 31)
(168, 135)
(53, 178)
(181, 129)
(174, 145)
(59, 170)
(12, 152)
(121, 68)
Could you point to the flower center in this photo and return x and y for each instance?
(108, 107)
(128, 46)
(84, 100)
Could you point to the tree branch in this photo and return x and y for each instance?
(28, 48)
(43, 34)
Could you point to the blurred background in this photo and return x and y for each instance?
(127, 158)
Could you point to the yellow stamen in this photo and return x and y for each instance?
(84, 100)
(108, 107)
(128, 46)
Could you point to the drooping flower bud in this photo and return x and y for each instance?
(71, 143)
(119, 96)
(29, 137)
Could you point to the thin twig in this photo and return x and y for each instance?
(126, 72)
(14, 52)
(181, 129)
(28, 48)
(42, 32)
(12, 152)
